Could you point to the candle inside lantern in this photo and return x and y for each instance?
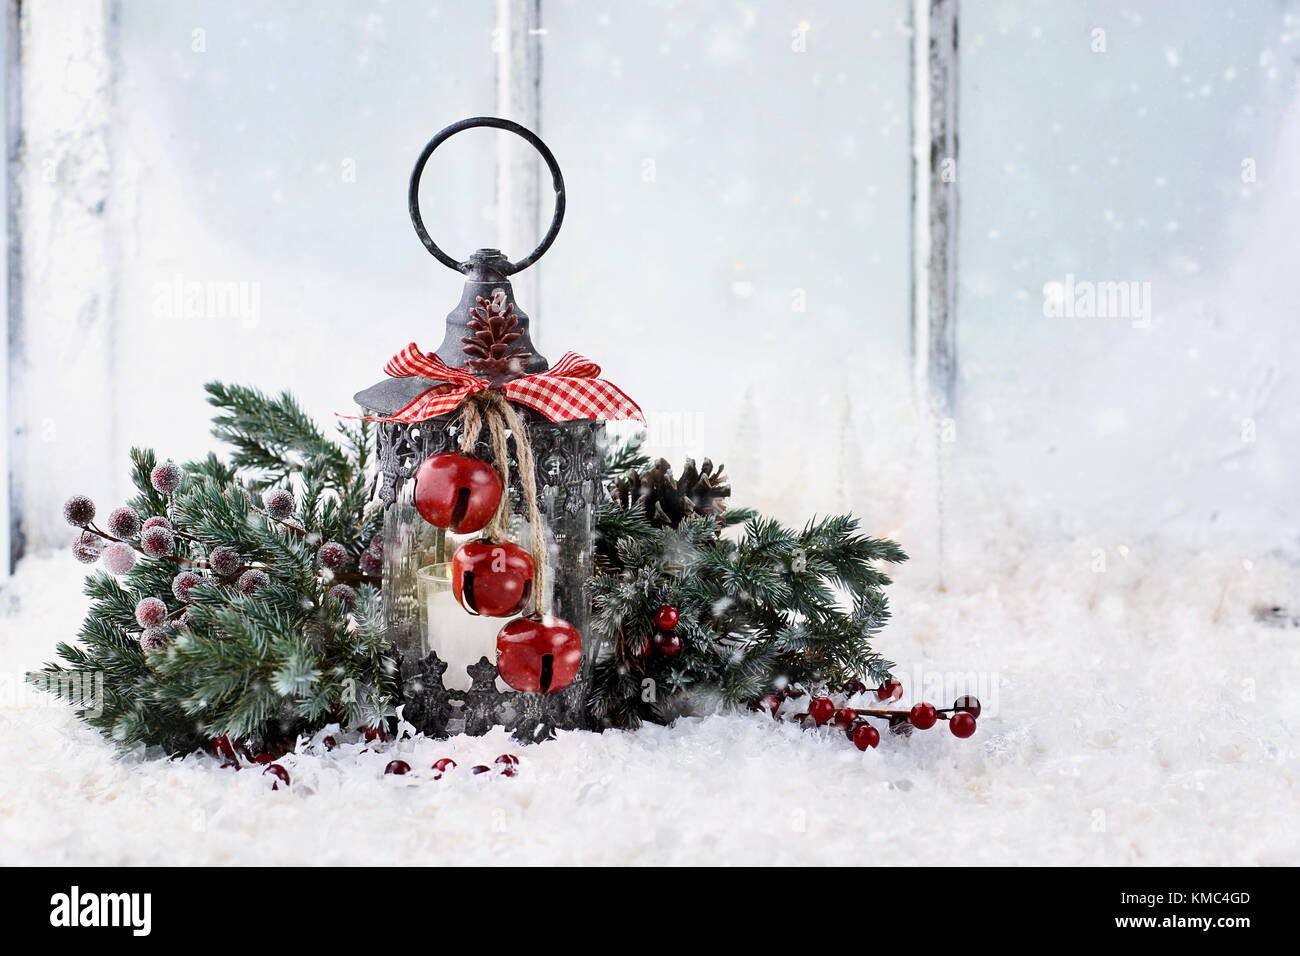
(459, 637)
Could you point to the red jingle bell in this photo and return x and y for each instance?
(492, 579)
(539, 654)
(456, 491)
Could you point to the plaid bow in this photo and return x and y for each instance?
(568, 391)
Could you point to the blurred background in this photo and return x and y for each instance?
(205, 190)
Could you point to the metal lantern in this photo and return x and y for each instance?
(448, 686)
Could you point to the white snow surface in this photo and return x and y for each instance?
(1136, 716)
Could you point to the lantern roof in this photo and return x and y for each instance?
(485, 278)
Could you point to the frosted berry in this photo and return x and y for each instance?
(150, 612)
(123, 523)
(820, 709)
(152, 639)
(968, 704)
(444, 765)
(79, 511)
(669, 644)
(376, 545)
(184, 583)
(890, 690)
(157, 521)
(166, 477)
(333, 556)
(769, 704)
(962, 724)
(865, 736)
(87, 548)
(279, 773)
(372, 564)
(157, 541)
(666, 618)
(279, 503)
(119, 558)
(344, 595)
(225, 561)
(844, 717)
(398, 767)
(252, 580)
(923, 716)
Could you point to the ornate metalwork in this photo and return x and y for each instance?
(568, 457)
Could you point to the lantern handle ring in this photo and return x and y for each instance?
(493, 122)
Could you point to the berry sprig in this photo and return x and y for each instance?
(822, 710)
(127, 536)
(665, 640)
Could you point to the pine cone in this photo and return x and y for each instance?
(491, 346)
(667, 501)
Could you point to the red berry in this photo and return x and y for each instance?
(642, 648)
(769, 704)
(480, 768)
(222, 747)
(853, 687)
(492, 579)
(821, 709)
(865, 736)
(539, 654)
(371, 733)
(508, 763)
(890, 690)
(923, 716)
(264, 759)
(457, 492)
(962, 724)
(666, 618)
(443, 765)
(398, 767)
(329, 743)
(969, 704)
(844, 716)
(282, 775)
(670, 645)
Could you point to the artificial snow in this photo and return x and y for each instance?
(1140, 714)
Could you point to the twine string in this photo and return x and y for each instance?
(491, 408)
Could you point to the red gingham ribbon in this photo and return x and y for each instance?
(568, 391)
